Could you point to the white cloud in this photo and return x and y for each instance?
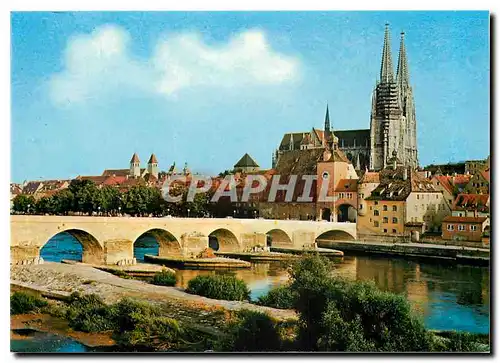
(100, 62)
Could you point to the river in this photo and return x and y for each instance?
(447, 296)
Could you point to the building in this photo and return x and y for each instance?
(332, 195)
(246, 164)
(450, 186)
(43, 188)
(473, 166)
(464, 228)
(479, 183)
(402, 201)
(471, 205)
(392, 122)
(135, 170)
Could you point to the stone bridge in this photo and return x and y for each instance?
(109, 240)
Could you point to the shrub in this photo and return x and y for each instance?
(250, 332)
(224, 287)
(454, 341)
(22, 303)
(89, 314)
(341, 315)
(281, 297)
(164, 278)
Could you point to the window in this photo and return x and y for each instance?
(385, 230)
(371, 207)
(461, 227)
(394, 220)
(385, 208)
(361, 195)
(376, 203)
(473, 228)
(375, 212)
(450, 227)
(386, 220)
(416, 208)
(325, 175)
(394, 208)
(375, 224)
(361, 206)
(393, 230)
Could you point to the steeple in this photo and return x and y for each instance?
(328, 130)
(402, 74)
(135, 166)
(386, 69)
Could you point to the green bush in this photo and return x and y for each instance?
(22, 303)
(164, 278)
(341, 315)
(250, 332)
(223, 287)
(281, 297)
(454, 341)
(89, 314)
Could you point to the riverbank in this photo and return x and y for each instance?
(139, 270)
(258, 256)
(454, 254)
(57, 281)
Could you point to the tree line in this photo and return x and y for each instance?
(83, 197)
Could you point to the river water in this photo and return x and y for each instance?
(447, 296)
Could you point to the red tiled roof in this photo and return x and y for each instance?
(486, 174)
(116, 172)
(445, 182)
(471, 202)
(98, 180)
(460, 179)
(370, 177)
(454, 219)
(347, 185)
(114, 180)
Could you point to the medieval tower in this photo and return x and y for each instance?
(393, 126)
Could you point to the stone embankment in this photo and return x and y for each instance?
(58, 281)
(457, 254)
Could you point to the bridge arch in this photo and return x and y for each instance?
(156, 242)
(90, 249)
(346, 212)
(223, 240)
(278, 238)
(333, 235)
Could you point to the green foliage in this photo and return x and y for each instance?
(340, 315)
(89, 314)
(454, 341)
(281, 297)
(251, 332)
(224, 287)
(164, 278)
(22, 303)
(21, 202)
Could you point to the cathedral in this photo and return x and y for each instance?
(392, 136)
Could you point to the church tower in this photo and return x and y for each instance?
(393, 122)
(135, 166)
(153, 166)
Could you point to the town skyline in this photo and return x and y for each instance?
(61, 112)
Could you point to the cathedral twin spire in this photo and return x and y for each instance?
(386, 67)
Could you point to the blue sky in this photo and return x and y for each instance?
(89, 89)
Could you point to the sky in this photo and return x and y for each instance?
(88, 89)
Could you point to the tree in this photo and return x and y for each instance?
(63, 202)
(86, 195)
(137, 200)
(23, 203)
(110, 199)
